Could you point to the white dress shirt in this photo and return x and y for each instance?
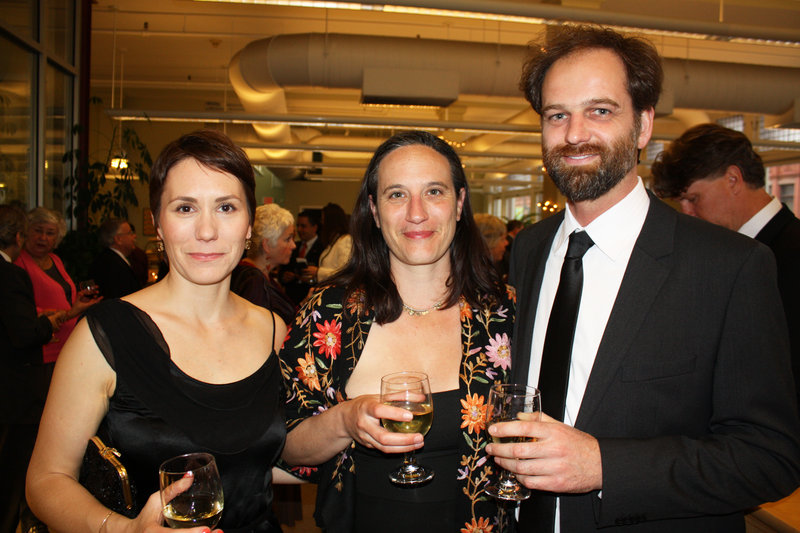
(614, 233)
(760, 219)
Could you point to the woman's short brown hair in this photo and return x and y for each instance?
(210, 148)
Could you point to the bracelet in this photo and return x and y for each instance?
(103, 523)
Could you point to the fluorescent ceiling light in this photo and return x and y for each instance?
(740, 34)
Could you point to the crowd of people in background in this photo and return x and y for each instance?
(666, 379)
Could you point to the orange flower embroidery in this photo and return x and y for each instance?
(357, 302)
(481, 526)
(466, 310)
(329, 338)
(473, 413)
(308, 372)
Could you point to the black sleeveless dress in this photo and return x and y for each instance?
(431, 508)
(158, 412)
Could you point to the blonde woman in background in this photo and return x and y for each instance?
(270, 246)
(53, 289)
(494, 234)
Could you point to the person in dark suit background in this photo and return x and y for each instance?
(716, 175)
(24, 378)
(139, 262)
(112, 269)
(679, 411)
(308, 249)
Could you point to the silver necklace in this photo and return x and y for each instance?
(422, 312)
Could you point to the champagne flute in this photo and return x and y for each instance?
(411, 391)
(511, 402)
(191, 491)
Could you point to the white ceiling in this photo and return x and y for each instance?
(167, 57)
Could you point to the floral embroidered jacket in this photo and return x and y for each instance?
(322, 349)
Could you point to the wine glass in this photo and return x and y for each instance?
(511, 402)
(89, 289)
(191, 491)
(411, 391)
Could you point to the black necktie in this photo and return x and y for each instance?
(538, 513)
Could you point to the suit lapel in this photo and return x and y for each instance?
(529, 271)
(647, 269)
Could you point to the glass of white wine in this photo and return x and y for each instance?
(191, 491)
(511, 402)
(411, 391)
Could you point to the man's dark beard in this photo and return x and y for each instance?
(591, 181)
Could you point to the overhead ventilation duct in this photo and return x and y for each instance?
(391, 86)
(396, 69)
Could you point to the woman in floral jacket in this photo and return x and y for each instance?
(419, 293)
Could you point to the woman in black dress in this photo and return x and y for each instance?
(167, 370)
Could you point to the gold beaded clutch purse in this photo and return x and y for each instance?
(104, 475)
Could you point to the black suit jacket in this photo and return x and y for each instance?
(24, 379)
(782, 235)
(690, 396)
(297, 290)
(113, 275)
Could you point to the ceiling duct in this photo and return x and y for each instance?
(402, 86)
(259, 72)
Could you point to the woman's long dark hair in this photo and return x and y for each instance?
(472, 273)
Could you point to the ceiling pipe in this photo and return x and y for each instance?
(261, 70)
(338, 61)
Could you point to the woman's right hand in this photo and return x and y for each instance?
(363, 422)
(150, 520)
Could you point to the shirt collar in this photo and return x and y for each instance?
(614, 232)
(760, 219)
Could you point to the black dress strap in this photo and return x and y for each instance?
(136, 349)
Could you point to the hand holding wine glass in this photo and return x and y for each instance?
(511, 402)
(89, 289)
(191, 491)
(410, 391)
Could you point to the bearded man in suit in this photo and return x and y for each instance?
(677, 404)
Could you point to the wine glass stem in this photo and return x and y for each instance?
(409, 459)
(506, 477)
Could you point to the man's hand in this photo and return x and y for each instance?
(559, 458)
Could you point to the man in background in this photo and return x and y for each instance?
(112, 270)
(309, 247)
(657, 340)
(716, 175)
(24, 378)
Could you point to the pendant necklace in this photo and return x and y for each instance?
(422, 312)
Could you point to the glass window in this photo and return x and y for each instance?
(59, 23)
(57, 124)
(16, 123)
(19, 16)
(787, 193)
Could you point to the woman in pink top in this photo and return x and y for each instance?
(53, 289)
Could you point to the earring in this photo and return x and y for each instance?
(159, 246)
(247, 244)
